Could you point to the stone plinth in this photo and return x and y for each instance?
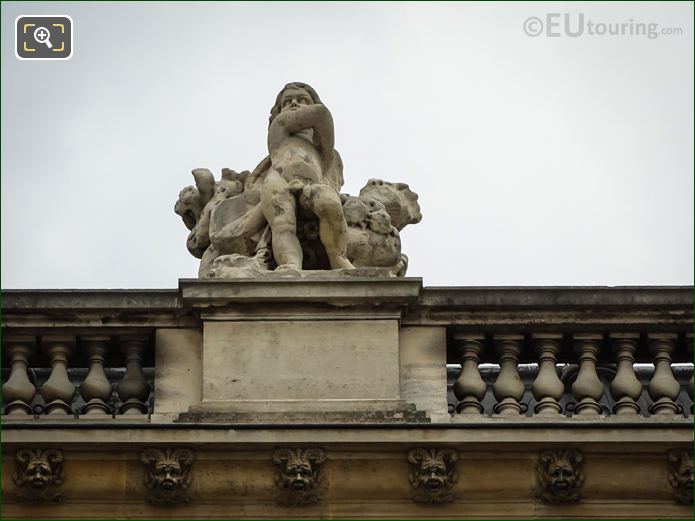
(301, 349)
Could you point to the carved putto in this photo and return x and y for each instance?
(432, 474)
(681, 475)
(298, 474)
(167, 475)
(37, 473)
(560, 475)
(288, 215)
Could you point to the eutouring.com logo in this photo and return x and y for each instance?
(576, 25)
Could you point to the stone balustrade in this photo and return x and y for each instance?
(409, 354)
(628, 375)
(64, 376)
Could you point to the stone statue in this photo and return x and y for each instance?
(305, 168)
(288, 216)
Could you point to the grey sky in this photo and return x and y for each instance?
(538, 160)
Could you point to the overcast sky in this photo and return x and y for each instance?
(538, 160)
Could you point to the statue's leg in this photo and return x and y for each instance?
(324, 201)
(280, 210)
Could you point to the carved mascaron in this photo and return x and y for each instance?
(37, 473)
(433, 474)
(298, 474)
(681, 475)
(560, 475)
(167, 475)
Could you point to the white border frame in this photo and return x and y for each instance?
(72, 37)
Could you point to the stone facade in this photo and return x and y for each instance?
(347, 397)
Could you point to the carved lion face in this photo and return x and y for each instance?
(399, 201)
(188, 206)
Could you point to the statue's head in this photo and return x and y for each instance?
(292, 96)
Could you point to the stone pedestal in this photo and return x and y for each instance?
(319, 350)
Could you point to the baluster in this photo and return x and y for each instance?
(664, 388)
(96, 388)
(469, 388)
(133, 390)
(547, 388)
(626, 387)
(508, 388)
(689, 342)
(58, 391)
(18, 391)
(587, 389)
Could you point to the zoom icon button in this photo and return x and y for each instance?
(43, 37)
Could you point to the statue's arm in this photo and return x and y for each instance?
(314, 116)
(323, 130)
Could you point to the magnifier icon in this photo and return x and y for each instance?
(43, 35)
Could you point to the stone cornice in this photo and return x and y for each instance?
(484, 431)
(661, 307)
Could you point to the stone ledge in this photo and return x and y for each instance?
(303, 417)
(479, 436)
(325, 289)
(558, 296)
(301, 405)
(90, 299)
(283, 412)
(432, 296)
(359, 509)
(664, 308)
